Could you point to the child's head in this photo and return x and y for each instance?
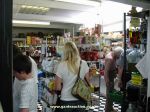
(22, 66)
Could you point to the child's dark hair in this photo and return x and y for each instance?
(22, 63)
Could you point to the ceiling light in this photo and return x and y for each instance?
(28, 9)
(139, 9)
(35, 7)
(29, 6)
(46, 9)
(31, 22)
(41, 7)
(23, 6)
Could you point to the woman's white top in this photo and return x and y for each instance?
(69, 79)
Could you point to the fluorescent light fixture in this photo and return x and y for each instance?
(35, 7)
(29, 6)
(38, 8)
(23, 6)
(83, 2)
(139, 9)
(31, 22)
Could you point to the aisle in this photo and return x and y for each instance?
(96, 108)
(98, 105)
(101, 107)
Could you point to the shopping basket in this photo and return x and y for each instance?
(116, 96)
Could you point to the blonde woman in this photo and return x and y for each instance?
(66, 76)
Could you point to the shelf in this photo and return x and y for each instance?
(28, 46)
(23, 46)
(88, 45)
(142, 14)
(114, 40)
(19, 39)
(92, 61)
(89, 51)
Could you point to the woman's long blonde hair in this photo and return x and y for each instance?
(71, 56)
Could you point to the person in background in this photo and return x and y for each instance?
(103, 52)
(31, 51)
(17, 51)
(66, 76)
(25, 93)
(123, 76)
(122, 80)
(110, 73)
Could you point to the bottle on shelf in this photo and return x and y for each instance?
(52, 39)
(129, 108)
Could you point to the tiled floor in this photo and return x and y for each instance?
(101, 106)
(98, 105)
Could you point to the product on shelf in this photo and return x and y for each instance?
(136, 78)
(93, 69)
(28, 40)
(102, 67)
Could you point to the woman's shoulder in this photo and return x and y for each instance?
(62, 63)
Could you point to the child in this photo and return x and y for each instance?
(25, 93)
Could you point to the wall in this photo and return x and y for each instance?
(54, 27)
(25, 30)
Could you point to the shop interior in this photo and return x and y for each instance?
(96, 27)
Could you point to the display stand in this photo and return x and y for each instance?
(147, 66)
(48, 96)
(142, 14)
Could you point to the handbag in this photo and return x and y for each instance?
(81, 88)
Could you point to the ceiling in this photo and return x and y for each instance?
(59, 11)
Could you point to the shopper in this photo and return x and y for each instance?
(122, 80)
(109, 75)
(104, 52)
(25, 92)
(66, 76)
(17, 51)
(123, 76)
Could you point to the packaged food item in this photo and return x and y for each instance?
(136, 78)
(93, 69)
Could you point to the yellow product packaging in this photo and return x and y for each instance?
(28, 40)
(136, 79)
(51, 85)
